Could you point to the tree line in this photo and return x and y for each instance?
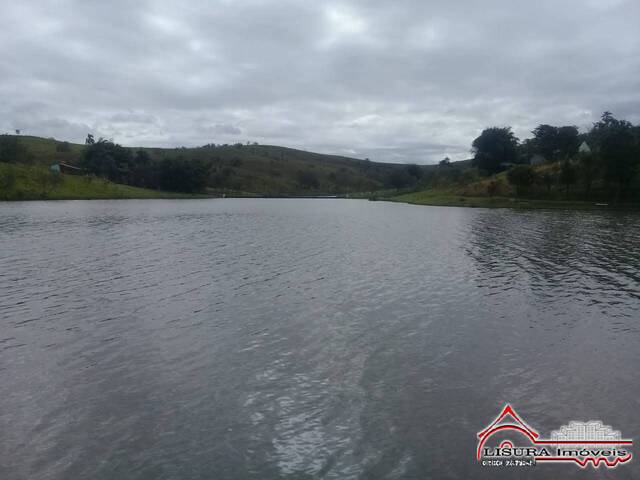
(121, 165)
(607, 165)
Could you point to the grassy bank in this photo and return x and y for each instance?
(33, 182)
(452, 199)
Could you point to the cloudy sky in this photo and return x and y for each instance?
(399, 81)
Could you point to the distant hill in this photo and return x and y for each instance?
(250, 169)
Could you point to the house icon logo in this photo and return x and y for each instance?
(510, 442)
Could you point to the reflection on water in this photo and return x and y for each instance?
(306, 339)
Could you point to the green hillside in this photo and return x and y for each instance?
(33, 182)
(262, 170)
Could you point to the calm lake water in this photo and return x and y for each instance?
(294, 339)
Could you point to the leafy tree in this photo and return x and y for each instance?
(308, 180)
(90, 140)
(521, 177)
(177, 174)
(493, 148)
(588, 167)
(526, 150)
(142, 171)
(601, 128)
(142, 157)
(107, 159)
(399, 179)
(568, 175)
(8, 148)
(414, 171)
(445, 162)
(567, 142)
(619, 151)
(544, 140)
(555, 142)
(221, 177)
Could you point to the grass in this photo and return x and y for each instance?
(36, 182)
(449, 198)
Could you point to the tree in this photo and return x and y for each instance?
(616, 144)
(142, 171)
(399, 179)
(107, 159)
(494, 147)
(8, 148)
(179, 175)
(90, 140)
(587, 170)
(568, 175)
(414, 171)
(526, 150)
(567, 142)
(555, 142)
(445, 162)
(308, 180)
(521, 177)
(619, 151)
(544, 140)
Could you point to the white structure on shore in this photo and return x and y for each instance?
(584, 148)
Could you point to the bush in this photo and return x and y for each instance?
(521, 177)
(492, 188)
(7, 180)
(13, 151)
(568, 175)
(308, 180)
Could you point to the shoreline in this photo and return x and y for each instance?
(418, 198)
(437, 199)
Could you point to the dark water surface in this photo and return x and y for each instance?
(265, 339)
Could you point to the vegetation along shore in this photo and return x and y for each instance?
(558, 167)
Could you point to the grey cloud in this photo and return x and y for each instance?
(393, 81)
(132, 117)
(226, 129)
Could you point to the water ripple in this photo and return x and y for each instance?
(304, 339)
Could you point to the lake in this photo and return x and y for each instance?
(295, 339)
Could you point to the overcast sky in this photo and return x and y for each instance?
(398, 81)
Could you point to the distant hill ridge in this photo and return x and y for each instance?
(249, 168)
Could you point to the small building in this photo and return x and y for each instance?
(537, 159)
(584, 148)
(61, 167)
